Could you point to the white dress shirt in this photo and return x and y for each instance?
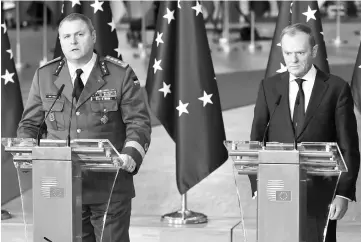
(307, 86)
(87, 68)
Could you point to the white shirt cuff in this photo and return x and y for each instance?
(344, 198)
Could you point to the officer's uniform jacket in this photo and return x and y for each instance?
(121, 116)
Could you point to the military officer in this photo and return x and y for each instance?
(108, 104)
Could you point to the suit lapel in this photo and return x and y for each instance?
(318, 91)
(93, 84)
(283, 89)
(63, 77)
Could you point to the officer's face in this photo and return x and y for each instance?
(298, 53)
(77, 42)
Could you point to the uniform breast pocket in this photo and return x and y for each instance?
(55, 119)
(104, 112)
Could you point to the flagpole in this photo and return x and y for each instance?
(142, 54)
(19, 66)
(184, 216)
(224, 41)
(252, 46)
(337, 41)
(45, 44)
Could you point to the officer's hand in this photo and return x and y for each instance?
(125, 162)
(338, 208)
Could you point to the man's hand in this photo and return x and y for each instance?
(125, 162)
(338, 208)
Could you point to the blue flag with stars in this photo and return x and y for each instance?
(183, 93)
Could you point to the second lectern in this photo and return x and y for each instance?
(282, 171)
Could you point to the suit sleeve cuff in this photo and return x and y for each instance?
(344, 198)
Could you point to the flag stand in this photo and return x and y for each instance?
(45, 44)
(224, 41)
(184, 216)
(337, 41)
(19, 66)
(252, 47)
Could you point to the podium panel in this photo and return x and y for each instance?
(282, 171)
(57, 210)
(57, 182)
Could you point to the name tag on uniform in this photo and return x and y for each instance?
(103, 95)
(50, 96)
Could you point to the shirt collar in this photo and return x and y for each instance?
(86, 68)
(310, 75)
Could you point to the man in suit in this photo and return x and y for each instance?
(108, 104)
(314, 107)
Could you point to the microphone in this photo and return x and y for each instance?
(71, 115)
(269, 121)
(46, 116)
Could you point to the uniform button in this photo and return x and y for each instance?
(78, 130)
(77, 113)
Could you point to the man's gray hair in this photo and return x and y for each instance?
(299, 27)
(78, 16)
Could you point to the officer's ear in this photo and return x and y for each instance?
(94, 36)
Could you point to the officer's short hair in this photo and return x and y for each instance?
(299, 27)
(78, 16)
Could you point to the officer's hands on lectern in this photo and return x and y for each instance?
(338, 208)
(125, 162)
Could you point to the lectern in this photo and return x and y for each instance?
(282, 182)
(57, 173)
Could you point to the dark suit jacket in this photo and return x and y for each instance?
(128, 118)
(329, 118)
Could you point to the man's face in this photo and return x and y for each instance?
(298, 53)
(77, 42)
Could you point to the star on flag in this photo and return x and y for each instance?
(74, 2)
(182, 108)
(97, 6)
(165, 89)
(206, 98)
(8, 77)
(4, 26)
(118, 51)
(310, 14)
(156, 65)
(282, 69)
(198, 8)
(10, 52)
(169, 15)
(159, 39)
(112, 25)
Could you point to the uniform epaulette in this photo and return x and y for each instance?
(116, 61)
(52, 61)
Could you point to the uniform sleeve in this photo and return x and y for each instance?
(136, 119)
(348, 141)
(33, 113)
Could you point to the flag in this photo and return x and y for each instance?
(356, 81)
(183, 93)
(11, 100)
(11, 111)
(306, 12)
(100, 14)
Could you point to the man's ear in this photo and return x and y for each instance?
(94, 36)
(314, 51)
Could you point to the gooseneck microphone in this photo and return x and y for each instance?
(71, 116)
(47, 114)
(269, 121)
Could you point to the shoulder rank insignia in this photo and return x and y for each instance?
(51, 61)
(116, 61)
(103, 68)
(60, 65)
